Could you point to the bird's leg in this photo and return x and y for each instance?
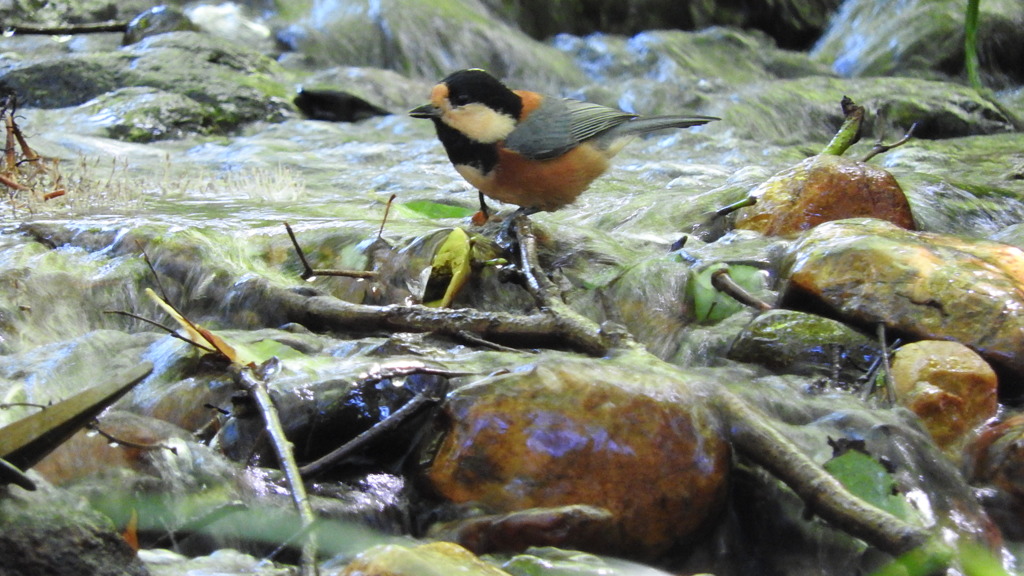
(483, 207)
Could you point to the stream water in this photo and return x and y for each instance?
(210, 210)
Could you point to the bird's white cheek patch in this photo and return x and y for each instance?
(479, 122)
(474, 176)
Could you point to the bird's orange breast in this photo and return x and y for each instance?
(544, 184)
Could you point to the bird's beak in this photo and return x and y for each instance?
(428, 111)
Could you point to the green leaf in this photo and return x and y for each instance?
(868, 479)
(432, 210)
(450, 269)
(708, 304)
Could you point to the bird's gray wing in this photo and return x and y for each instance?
(559, 125)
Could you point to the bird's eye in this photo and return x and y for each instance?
(459, 99)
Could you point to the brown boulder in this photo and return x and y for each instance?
(920, 285)
(821, 189)
(644, 446)
(950, 387)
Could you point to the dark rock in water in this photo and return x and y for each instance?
(143, 114)
(327, 414)
(62, 81)
(792, 23)
(336, 106)
(386, 89)
(157, 20)
(49, 532)
(798, 343)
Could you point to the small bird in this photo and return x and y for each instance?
(539, 152)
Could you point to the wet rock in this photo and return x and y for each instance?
(88, 454)
(232, 21)
(648, 300)
(151, 469)
(793, 342)
(644, 446)
(561, 527)
(49, 373)
(922, 38)
(230, 84)
(143, 114)
(673, 72)
(225, 561)
(238, 84)
(63, 80)
(555, 561)
(74, 12)
(434, 559)
(994, 461)
(157, 20)
(1012, 235)
(50, 532)
(428, 40)
(803, 111)
(948, 386)
(821, 189)
(773, 534)
(920, 285)
(965, 186)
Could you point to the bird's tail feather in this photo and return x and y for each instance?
(613, 140)
(645, 124)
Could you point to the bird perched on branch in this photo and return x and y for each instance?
(539, 152)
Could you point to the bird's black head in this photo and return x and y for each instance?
(475, 85)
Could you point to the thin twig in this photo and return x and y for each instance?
(387, 210)
(386, 425)
(880, 148)
(257, 387)
(478, 341)
(170, 331)
(890, 388)
(307, 270)
(723, 282)
(309, 273)
(156, 275)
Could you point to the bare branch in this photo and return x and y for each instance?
(256, 385)
(310, 273)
